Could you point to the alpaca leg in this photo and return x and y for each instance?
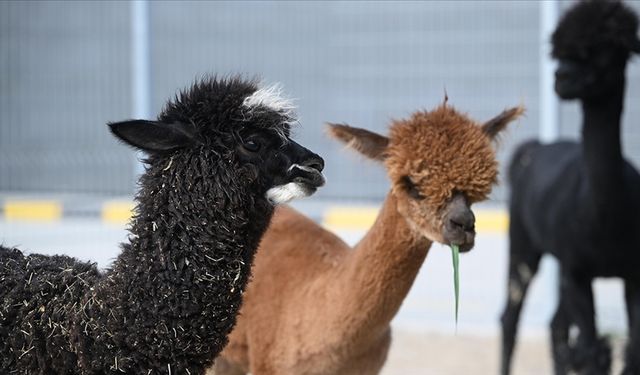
(523, 265)
(560, 325)
(632, 298)
(631, 290)
(591, 355)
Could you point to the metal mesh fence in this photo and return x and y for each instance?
(65, 70)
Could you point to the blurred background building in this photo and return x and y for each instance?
(66, 69)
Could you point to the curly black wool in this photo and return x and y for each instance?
(169, 300)
(594, 25)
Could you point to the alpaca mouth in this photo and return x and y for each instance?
(573, 86)
(303, 182)
(465, 240)
(464, 247)
(567, 89)
(310, 177)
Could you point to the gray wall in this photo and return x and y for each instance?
(65, 71)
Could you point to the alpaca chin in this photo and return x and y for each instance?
(287, 192)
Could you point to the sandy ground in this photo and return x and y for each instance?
(437, 354)
(433, 353)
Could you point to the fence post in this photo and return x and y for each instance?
(141, 64)
(549, 130)
(549, 115)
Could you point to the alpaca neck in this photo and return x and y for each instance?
(180, 279)
(602, 147)
(379, 273)
(213, 226)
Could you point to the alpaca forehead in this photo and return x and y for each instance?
(228, 105)
(474, 174)
(271, 99)
(435, 136)
(442, 152)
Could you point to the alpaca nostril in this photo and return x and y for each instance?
(465, 223)
(316, 163)
(456, 225)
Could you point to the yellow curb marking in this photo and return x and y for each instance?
(350, 217)
(39, 210)
(361, 218)
(492, 221)
(336, 217)
(117, 212)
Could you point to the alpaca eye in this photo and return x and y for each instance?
(251, 145)
(411, 188)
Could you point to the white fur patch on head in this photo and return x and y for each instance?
(284, 193)
(271, 97)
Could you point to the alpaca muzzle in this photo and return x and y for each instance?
(307, 175)
(459, 234)
(459, 225)
(304, 180)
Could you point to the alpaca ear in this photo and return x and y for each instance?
(368, 143)
(154, 136)
(494, 126)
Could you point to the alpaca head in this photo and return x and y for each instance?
(235, 122)
(592, 44)
(439, 162)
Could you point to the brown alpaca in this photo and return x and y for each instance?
(316, 305)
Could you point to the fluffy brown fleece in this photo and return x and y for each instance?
(457, 156)
(318, 306)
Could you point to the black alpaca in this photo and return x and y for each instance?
(219, 158)
(580, 201)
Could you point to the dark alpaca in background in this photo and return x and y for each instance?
(219, 158)
(580, 201)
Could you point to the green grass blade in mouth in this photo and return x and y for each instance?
(455, 252)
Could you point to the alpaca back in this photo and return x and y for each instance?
(550, 189)
(40, 295)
